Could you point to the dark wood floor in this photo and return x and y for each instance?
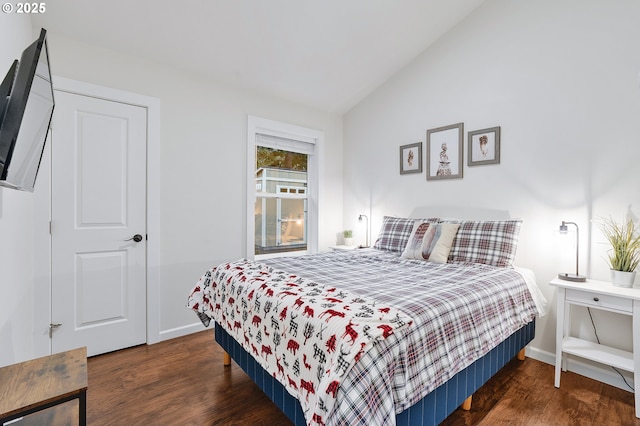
(183, 382)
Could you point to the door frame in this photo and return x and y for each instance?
(42, 286)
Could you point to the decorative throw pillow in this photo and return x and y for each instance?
(431, 241)
(489, 242)
(395, 233)
(413, 249)
(436, 248)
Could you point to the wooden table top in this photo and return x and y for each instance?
(43, 380)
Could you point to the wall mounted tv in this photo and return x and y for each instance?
(26, 108)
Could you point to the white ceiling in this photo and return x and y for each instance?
(328, 54)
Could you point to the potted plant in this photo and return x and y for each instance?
(624, 254)
(348, 237)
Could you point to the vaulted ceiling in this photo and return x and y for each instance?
(327, 54)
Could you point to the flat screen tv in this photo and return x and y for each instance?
(26, 108)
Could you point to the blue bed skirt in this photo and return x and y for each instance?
(431, 410)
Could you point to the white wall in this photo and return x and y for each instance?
(561, 78)
(17, 268)
(203, 180)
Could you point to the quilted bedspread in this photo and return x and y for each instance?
(359, 336)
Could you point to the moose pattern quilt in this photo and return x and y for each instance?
(360, 336)
(305, 334)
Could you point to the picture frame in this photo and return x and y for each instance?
(444, 152)
(411, 158)
(483, 147)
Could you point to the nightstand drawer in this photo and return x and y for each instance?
(601, 301)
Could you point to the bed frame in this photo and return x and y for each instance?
(431, 410)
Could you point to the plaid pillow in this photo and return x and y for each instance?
(395, 233)
(489, 242)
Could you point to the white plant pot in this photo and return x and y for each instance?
(348, 241)
(622, 278)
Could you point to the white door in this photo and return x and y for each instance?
(98, 224)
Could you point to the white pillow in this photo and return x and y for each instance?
(431, 241)
(437, 248)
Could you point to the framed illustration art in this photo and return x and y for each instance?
(411, 158)
(484, 147)
(444, 152)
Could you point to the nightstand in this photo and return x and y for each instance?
(597, 295)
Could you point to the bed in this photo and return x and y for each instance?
(402, 333)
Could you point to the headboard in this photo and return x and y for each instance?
(459, 212)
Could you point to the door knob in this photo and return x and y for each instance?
(137, 238)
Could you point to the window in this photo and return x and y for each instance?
(282, 191)
(281, 200)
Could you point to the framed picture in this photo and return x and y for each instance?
(444, 152)
(411, 158)
(484, 147)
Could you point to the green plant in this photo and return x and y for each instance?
(625, 244)
(348, 233)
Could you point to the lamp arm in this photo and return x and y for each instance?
(573, 277)
(577, 241)
(367, 239)
(366, 228)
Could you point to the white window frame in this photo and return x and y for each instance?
(262, 126)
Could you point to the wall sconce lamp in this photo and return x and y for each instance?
(367, 228)
(568, 276)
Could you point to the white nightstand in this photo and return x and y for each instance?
(597, 295)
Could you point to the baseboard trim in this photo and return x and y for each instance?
(182, 331)
(576, 365)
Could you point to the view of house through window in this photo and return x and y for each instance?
(281, 200)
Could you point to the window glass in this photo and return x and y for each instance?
(281, 200)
